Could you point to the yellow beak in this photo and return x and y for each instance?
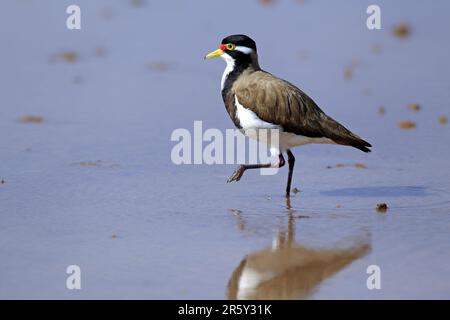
(214, 54)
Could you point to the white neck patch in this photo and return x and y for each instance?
(229, 68)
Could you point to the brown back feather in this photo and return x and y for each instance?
(277, 101)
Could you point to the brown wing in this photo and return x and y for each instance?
(277, 101)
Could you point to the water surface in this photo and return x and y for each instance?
(93, 183)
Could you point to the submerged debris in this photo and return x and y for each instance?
(31, 119)
(414, 107)
(402, 30)
(90, 163)
(348, 73)
(100, 51)
(69, 56)
(2, 181)
(158, 66)
(266, 2)
(381, 110)
(407, 124)
(295, 190)
(356, 165)
(65, 56)
(303, 55)
(382, 207)
(443, 120)
(137, 3)
(348, 69)
(98, 163)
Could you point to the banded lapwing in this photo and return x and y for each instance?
(256, 99)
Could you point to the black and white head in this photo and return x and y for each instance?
(238, 51)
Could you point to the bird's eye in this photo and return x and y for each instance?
(231, 46)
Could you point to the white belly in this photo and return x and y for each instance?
(249, 120)
(291, 140)
(251, 124)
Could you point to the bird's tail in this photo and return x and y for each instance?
(361, 145)
(353, 140)
(343, 136)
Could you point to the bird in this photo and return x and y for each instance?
(256, 99)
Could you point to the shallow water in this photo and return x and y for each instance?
(93, 183)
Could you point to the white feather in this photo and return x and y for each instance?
(250, 121)
(228, 69)
(243, 49)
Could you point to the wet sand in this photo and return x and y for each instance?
(87, 177)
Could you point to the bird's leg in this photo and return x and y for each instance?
(239, 172)
(291, 162)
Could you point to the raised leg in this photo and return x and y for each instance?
(291, 162)
(239, 172)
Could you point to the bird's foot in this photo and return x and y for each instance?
(237, 174)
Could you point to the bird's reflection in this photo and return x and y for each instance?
(288, 270)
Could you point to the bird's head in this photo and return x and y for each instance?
(237, 48)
